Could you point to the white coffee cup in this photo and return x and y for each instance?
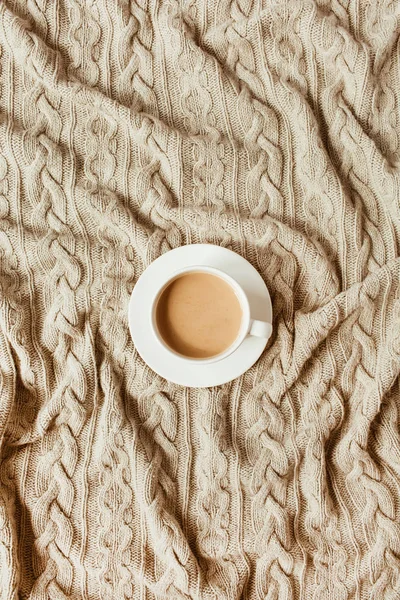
(248, 326)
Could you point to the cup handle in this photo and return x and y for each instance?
(260, 329)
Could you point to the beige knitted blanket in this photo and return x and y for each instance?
(131, 127)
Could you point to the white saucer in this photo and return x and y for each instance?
(172, 367)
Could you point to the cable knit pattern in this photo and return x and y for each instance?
(131, 127)
(55, 251)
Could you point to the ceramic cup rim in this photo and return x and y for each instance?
(240, 294)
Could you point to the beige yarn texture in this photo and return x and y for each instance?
(128, 128)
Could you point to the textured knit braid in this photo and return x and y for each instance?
(56, 251)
